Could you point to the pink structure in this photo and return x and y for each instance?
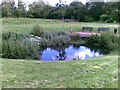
(83, 34)
(87, 34)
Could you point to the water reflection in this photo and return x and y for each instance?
(70, 53)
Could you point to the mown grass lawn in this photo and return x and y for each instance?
(101, 72)
(25, 26)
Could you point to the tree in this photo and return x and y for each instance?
(16, 12)
(91, 11)
(47, 8)
(37, 9)
(103, 17)
(21, 8)
(96, 9)
(76, 10)
(111, 9)
(7, 8)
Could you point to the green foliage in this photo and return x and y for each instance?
(76, 40)
(88, 19)
(112, 10)
(107, 42)
(96, 10)
(103, 17)
(54, 38)
(19, 46)
(75, 10)
(37, 9)
(109, 20)
(30, 15)
(37, 30)
(14, 46)
(7, 8)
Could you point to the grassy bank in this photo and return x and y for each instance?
(23, 25)
(101, 72)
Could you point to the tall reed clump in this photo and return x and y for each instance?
(106, 42)
(15, 47)
(54, 39)
(37, 30)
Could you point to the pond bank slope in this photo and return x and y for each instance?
(100, 72)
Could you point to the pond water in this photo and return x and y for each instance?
(69, 53)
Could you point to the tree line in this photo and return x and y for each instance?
(91, 11)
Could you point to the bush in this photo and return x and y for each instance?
(54, 38)
(88, 19)
(76, 40)
(106, 42)
(109, 20)
(109, 42)
(6, 36)
(30, 16)
(15, 47)
(37, 30)
(103, 17)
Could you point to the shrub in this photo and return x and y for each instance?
(107, 42)
(103, 17)
(88, 19)
(109, 20)
(19, 46)
(6, 36)
(37, 30)
(15, 47)
(76, 40)
(30, 16)
(54, 38)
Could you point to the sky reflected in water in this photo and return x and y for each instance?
(70, 53)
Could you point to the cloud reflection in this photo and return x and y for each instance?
(69, 53)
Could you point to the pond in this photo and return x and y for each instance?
(70, 52)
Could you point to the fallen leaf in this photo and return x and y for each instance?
(97, 67)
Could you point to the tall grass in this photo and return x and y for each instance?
(54, 39)
(50, 38)
(15, 47)
(37, 30)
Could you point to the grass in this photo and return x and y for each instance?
(23, 25)
(100, 72)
